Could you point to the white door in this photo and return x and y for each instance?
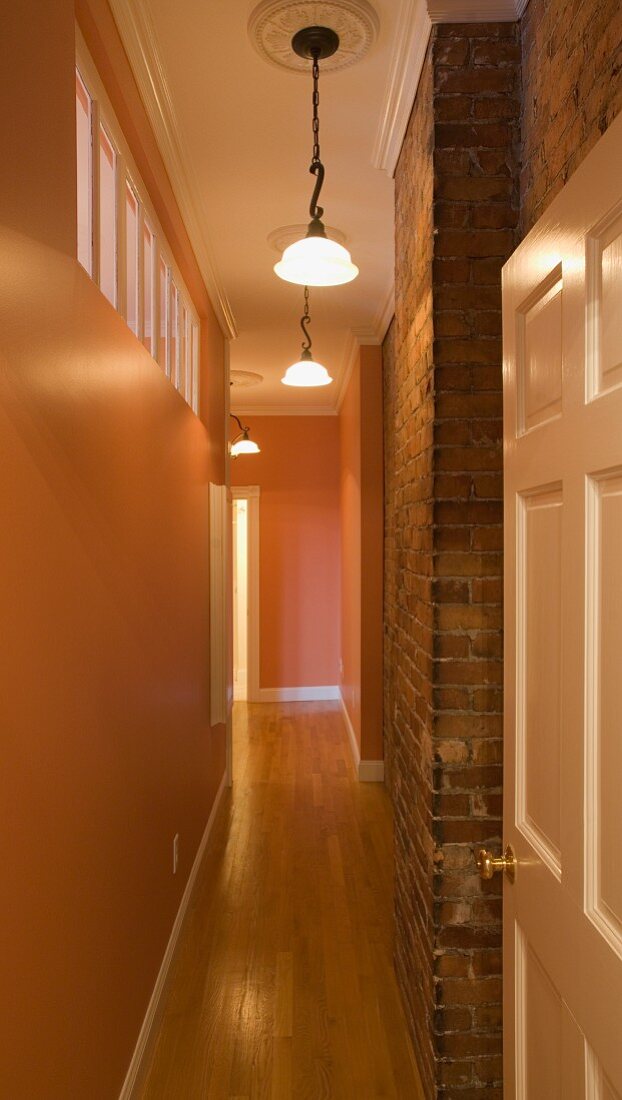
(562, 302)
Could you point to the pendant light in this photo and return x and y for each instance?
(306, 372)
(315, 260)
(242, 445)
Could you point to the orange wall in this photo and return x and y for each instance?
(107, 750)
(298, 474)
(360, 426)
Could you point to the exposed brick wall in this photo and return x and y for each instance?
(572, 79)
(443, 590)
(409, 415)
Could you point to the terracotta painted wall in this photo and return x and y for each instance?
(104, 708)
(360, 433)
(298, 474)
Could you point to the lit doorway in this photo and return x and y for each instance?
(240, 599)
(245, 553)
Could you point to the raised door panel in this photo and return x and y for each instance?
(538, 734)
(604, 275)
(540, 354)
(604, 743)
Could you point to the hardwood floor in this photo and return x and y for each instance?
(283, 985)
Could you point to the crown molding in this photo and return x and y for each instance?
(474, 11)
(139, 39)
(350, 353)
(385, 314)
(289, 410)
(410, 43)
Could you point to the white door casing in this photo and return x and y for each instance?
(562, 319)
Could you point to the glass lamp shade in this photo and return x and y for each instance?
(316, 261)
(244, 446)
(306, 373)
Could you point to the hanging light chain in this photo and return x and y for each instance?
(316, 166)
(304, 321)
(315, 159)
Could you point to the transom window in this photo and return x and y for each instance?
(121, 244)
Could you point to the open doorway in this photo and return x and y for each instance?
(245, 552)
(240, 599)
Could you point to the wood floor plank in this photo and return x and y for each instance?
(283, 985)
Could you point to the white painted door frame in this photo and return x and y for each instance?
(250, 493)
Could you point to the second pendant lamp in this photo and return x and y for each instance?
(315, 260)
(306, 372)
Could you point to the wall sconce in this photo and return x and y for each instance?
(242, 445)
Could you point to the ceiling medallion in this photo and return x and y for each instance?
(273, 23)
(244, 379)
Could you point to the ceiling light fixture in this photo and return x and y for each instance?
(306, 372)
(315, 260)
(242, 445)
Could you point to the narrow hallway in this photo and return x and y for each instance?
(284, 985)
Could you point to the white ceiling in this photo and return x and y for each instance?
(242, 131)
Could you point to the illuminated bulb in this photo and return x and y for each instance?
(306, 373)
(244, 446)
(316, 261)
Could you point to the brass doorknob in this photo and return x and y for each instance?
(488, 865)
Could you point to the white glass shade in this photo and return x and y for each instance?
(306, 373)
(244, 447)
(316, 261)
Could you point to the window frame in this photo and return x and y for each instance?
(127, 175)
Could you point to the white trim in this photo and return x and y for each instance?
(349, 359)
(140, 41)
(474, 11)
(368, 771)
(386, 313)
(156, 1003)
(219, 550)
(225, 436)
(371, 771)
(409, 49)
(299, 694)
(354, 745)
(410, 43)
(251, 493)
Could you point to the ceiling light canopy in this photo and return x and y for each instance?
(242, 444)
(306, 372)
(315, 260)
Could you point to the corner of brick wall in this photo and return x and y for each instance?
(443, 669)
(457, 221)
(476, 212)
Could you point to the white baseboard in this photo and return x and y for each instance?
(156, 1004)
(368, 771)
(371, 771)
(299, 694)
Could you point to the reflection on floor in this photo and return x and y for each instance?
(284, 985)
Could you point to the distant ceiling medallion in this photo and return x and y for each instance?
(281, 238)
(273, 24)
(244, 379)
